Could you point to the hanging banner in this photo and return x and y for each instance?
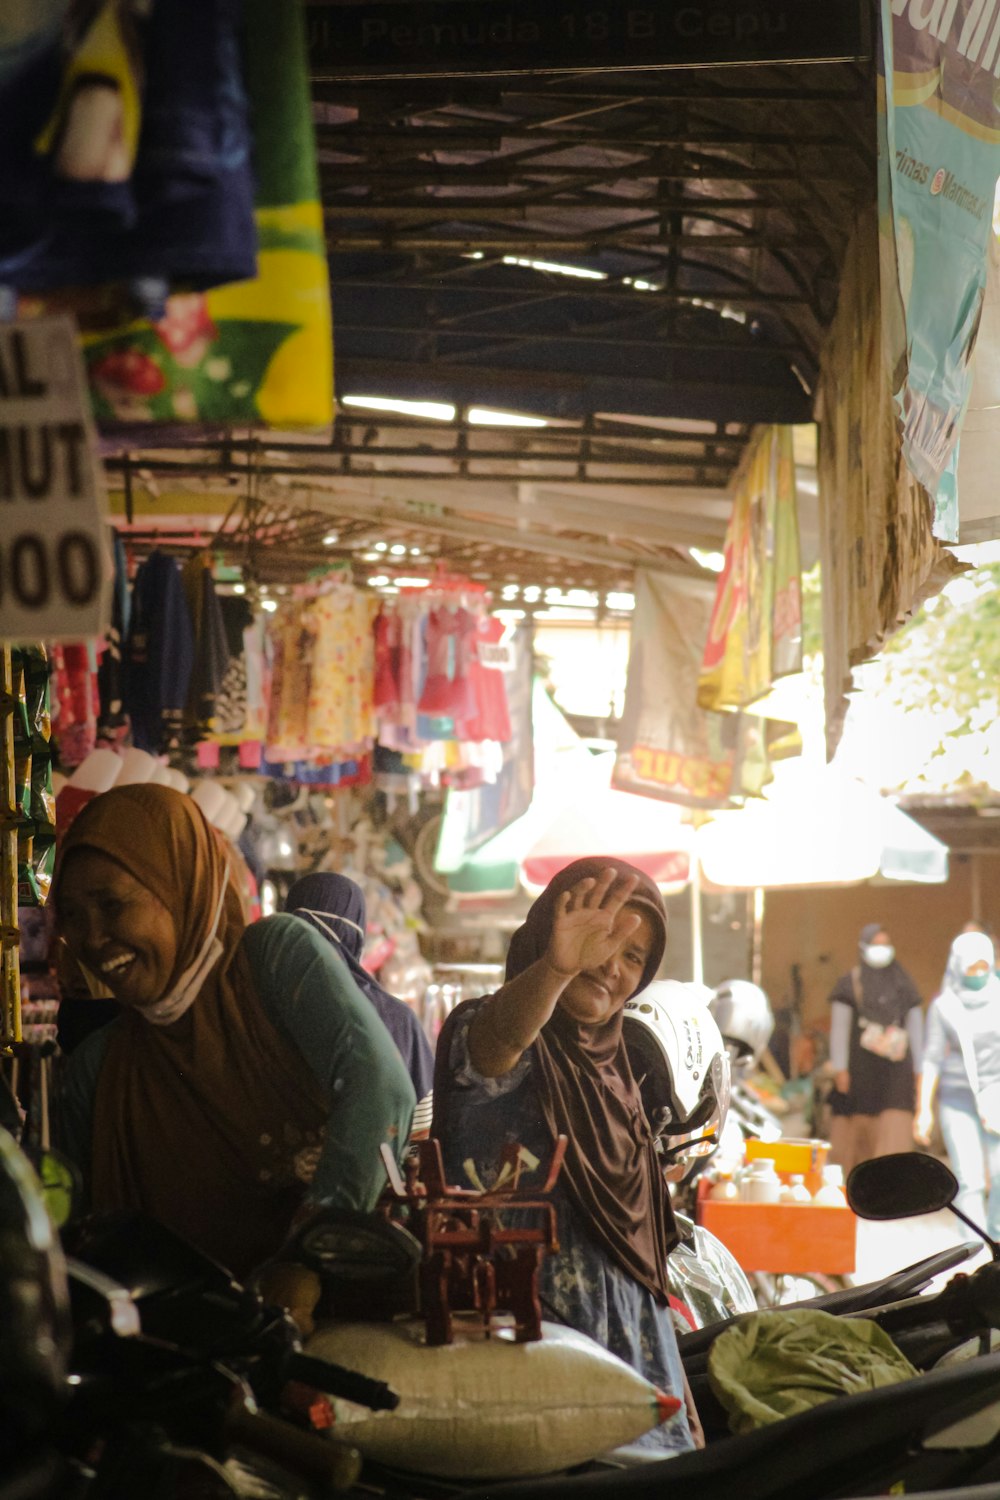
(979, 502)
(755, 634)
(54, 564)
(668, 746)
(939, 157)
(251, 351)
(458, 38)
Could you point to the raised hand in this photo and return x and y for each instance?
(591, 923)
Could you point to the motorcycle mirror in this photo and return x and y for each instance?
(900, 1186)
(905, 1183)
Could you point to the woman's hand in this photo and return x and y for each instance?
(923, 1127)
(591, 923)
(294, 1287)
(842, 1081)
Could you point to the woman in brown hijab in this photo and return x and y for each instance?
(246, 1078)
(544, 1056)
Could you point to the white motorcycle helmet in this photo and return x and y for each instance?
(745, 1018)
(680, 1062)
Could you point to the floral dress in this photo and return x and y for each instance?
(580, 1285)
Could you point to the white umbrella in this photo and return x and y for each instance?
(817, 827)
(597, 819)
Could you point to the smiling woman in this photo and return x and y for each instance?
(247, 1078)
(544, 1056)
(117, 927)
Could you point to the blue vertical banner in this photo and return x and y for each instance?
(939, 157)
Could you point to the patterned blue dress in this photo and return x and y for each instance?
(580, 1286)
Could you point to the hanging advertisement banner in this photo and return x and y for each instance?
(668, 746)
(249, 351)
(939, 157)
(979, 502)
(755, 633)
(54, 564)
(458, 38)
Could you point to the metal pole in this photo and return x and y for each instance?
(10, 978)
(697, 955)
(757, 954)
(977, 888)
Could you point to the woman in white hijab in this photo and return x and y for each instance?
(961, 1071)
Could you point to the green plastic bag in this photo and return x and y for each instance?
(773, 1365)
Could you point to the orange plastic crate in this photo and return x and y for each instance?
(807, 1157)
(792, 1238)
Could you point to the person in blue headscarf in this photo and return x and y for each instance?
(961, 1076)
(335, 906)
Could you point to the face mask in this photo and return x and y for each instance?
(878, 955)
(170, 1007)
(974, 981)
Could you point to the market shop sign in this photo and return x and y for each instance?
(53, 556)
(456, 38)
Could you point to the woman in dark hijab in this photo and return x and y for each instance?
(876, 1044)
(544, 1056)
(335, 906)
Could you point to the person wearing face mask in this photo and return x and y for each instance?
(876, 1047)
(335, 906)
(961, 1073)
(545, 1057)
(247, 1079)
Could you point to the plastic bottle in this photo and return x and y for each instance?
(831, 1194)
(761, 1183)
(795, 1191)
(724, 1190)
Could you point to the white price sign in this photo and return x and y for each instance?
(54, 560)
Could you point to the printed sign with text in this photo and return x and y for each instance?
(54, 563)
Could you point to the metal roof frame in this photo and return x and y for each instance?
(711, 207)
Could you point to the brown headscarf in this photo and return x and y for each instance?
(587, 1092)
(206, 1123)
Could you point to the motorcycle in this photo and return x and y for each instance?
(171, 1362)
(937, 1433)
(135, 1365)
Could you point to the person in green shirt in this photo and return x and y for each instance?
(247, 1081)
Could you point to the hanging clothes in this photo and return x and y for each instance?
(448, 692)
(75, 702)
(127, 149)
(211, 648)
(388, 630)
(112, 720)
(491, 720)
(288, 720)
(341, 707)
(160, 655)
(231, 708)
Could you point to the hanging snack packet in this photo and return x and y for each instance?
(43, 865)
(22, 728)
(22, 783)
(43, 797)
(38, 697)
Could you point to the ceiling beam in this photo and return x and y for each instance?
(362, 135)
(774, 242)
(197, 466)
(600, 553)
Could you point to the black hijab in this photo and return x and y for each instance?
(586, 1091)
(886, 994)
